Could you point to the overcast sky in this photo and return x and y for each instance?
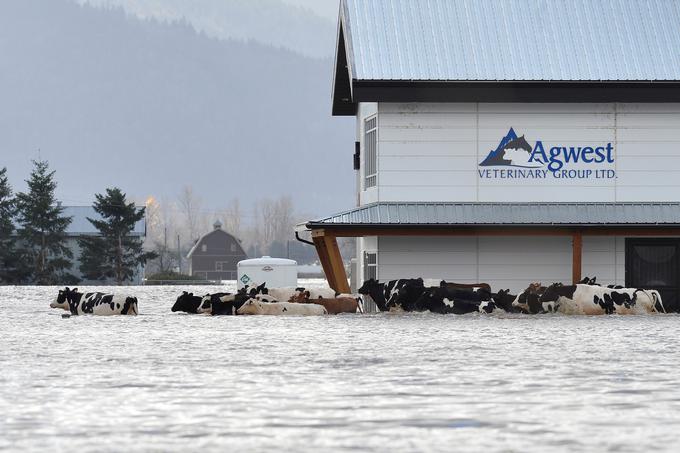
(324, 8)
(265, 21)
(113, 99)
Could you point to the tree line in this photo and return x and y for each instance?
(34, 246)
(264, 227)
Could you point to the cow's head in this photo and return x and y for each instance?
(253, 291)
(370, 286)
(553, 292)
(504, 299)
(376, 290)
(251, 307)
(187, 303)
(301, 295)
(206, 304)
(63, 298)
(528, 300)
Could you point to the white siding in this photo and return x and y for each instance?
(503, 262)
(431, 152)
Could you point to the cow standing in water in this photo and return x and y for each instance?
(188, 303)
(95, 303)
(529, 301)
(387, 295)
(596, 300)
(257, 307)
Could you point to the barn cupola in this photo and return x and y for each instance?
(217, 225)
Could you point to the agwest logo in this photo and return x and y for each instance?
(515, 151)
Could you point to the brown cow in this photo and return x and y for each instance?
(335, 306)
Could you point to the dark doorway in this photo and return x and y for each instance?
(655, 264)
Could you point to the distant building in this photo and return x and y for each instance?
(215, 255)
(81, 227)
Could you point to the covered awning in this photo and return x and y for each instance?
(490, 219)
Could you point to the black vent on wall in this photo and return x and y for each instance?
(357, 155)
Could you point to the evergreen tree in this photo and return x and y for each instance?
(115, 253)
(7, 249)
(44, 254)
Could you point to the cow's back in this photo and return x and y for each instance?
(337, 305)
(108, 304)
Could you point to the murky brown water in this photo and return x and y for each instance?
(408, 382)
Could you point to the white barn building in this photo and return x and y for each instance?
(511, 141)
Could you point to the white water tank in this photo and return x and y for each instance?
(275, 272)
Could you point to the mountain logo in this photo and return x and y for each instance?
(512, 151)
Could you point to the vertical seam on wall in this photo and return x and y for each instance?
(477, 247)
(616, 148)
(617, 277)
(477, 152)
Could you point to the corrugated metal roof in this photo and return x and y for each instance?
(80, 225)
(511, 214)
(513, 40)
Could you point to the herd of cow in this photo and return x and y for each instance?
(253, 300)
(409, 295)
(586, 297)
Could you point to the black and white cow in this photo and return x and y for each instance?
(187, 303)
(376, 291)
(387, 295)
(257, 307)
(454, 301)
(503, 300)
(221, 304)
(413, 295)
(101, 304)
(596, 300)
(529, 301)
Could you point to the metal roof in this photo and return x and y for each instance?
(81, 226)
(505, 214)
(512, 40)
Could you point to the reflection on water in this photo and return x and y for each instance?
(166, 381)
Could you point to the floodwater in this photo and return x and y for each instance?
(385, 382)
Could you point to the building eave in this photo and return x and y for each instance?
(514, 91)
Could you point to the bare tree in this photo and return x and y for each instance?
(161, 235)
(232, 217)
(284, 219)
(190, 207)
(265, 222)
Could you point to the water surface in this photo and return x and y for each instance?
(383, 382)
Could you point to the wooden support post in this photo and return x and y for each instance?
(577, 254)
(331, 260)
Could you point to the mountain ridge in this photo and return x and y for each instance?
(114, 100)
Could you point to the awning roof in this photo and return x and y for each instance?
(504, 214)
